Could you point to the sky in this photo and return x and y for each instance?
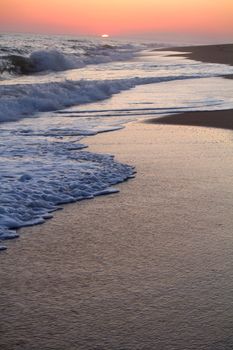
(194, 18)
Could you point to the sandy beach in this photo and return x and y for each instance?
(147, 268)
(222, 53)
(214, 119)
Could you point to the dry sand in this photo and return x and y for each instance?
(149, 268)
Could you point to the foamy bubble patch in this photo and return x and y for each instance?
(33, 187)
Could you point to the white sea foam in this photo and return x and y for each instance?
(18, 101)
(41, 170)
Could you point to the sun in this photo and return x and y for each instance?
(105, 36)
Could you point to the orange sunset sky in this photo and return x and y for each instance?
(118, 17)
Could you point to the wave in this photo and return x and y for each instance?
(54, 60)
(23, 100)
(38, 61)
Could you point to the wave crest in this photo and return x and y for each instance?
(53, 60)
(18, 101)
(38, 61)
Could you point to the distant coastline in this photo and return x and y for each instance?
(222, 53)
(223, 119)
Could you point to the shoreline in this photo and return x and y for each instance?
(222, 119)
(222, 53)
(130, 273)
(149, 267)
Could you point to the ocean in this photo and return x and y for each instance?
(57, 90)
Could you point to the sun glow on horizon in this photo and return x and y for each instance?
(117, 17)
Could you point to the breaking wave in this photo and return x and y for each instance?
(22, 100)
(54, 60)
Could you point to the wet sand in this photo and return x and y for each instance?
(213, 119)
(209, 53)
(148, 268)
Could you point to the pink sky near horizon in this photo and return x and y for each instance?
(118, 17)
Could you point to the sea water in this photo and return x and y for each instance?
(55, 91)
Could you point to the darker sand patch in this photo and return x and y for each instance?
(215, 119)
(209, 53)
